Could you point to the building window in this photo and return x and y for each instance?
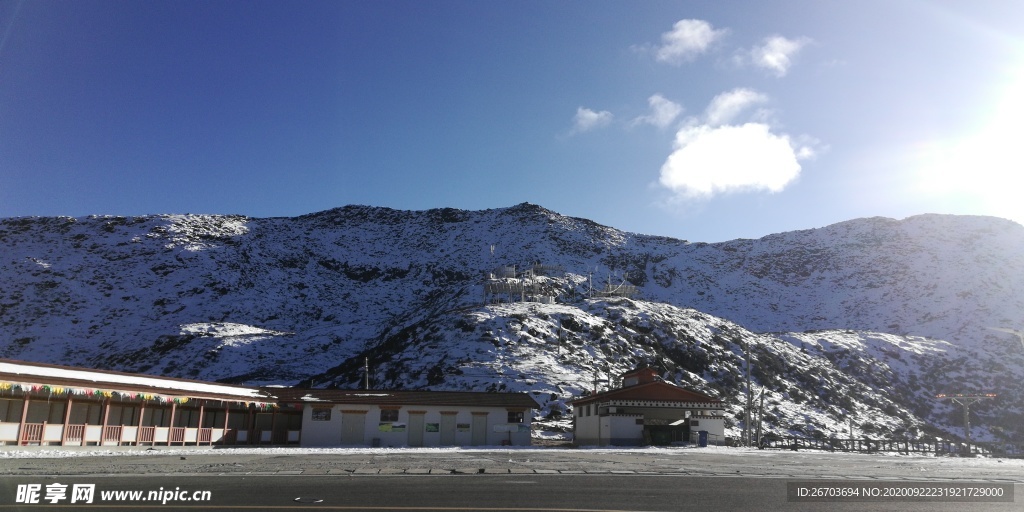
(515, 417)
(389, 415)
(321, 414)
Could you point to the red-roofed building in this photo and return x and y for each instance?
(646, 410)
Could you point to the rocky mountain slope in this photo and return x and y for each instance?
(865, 319)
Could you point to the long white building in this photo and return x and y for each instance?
(50, 405)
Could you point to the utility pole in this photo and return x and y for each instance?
(596, 380)
(760, 419)
(366, 371)
(966, 401)
(747, 431)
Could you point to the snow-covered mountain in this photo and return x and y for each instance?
(871, 317)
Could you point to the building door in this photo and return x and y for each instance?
(665, 435)
(479, 430)
(447, 429)
(415, 429)
(353, 428)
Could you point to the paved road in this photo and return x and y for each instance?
(479, 492)
(496, 479)
(692, 462)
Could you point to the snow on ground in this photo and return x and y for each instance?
(226, 329)
(286, 300)
(756, 456)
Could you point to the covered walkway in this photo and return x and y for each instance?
(49, 405)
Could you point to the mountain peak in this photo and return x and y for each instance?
(283, 300)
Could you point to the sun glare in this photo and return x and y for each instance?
(983, 170)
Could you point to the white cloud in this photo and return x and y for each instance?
(720, 155)
(687, 40)
(727, 105)
(808, 148)
(712, 160)
(663, 112)
(776, 53)
(587, 119)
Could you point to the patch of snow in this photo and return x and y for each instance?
(226, 330)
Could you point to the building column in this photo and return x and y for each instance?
(273, 425)
(200, 425)
(106, 418)
(67, 420)
(170, 428)
(250, 426)
(142, 414)
(24, 416)
(227, 411)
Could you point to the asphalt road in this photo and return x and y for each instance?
(462, 492)
(689, 462)
(484, 480)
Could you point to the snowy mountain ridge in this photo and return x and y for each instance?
(860, 308)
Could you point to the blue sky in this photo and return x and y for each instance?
(706, 121)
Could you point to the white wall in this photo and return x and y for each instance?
(9, 431)
(328, 433)
(586, 428)
(321, 433)
(714, 425)
(625, 428)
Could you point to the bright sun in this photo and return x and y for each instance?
(983, 170)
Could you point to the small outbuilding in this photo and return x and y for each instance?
(332, 417)
(646, 410)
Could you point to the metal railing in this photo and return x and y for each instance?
(907, 446)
